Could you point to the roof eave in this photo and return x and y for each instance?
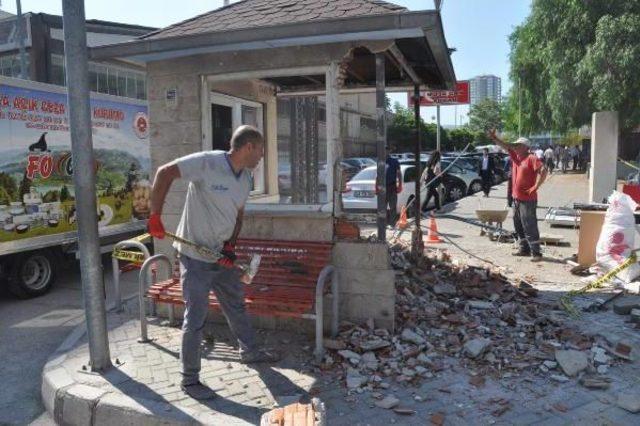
(426, 24)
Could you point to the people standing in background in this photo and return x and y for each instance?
(431, 177)
(539, 152)
(575, 156)
(548, 159)
(393, 181)
(486, 169)
(565, 156)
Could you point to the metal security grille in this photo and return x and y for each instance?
(304, 150)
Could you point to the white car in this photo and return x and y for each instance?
(360, 192)
(470, 178)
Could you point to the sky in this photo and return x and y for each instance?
(478, 29)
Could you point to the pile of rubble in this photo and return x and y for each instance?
(449, 313)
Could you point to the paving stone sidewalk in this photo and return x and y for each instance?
(143, 386)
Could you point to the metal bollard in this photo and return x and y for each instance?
(143, 282)
(117, 304)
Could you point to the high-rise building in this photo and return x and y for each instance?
(485, 86)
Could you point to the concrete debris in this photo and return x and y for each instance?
(404, 411)
(624, 305)
(411, 336)
(388, 402)
(595, 382)
(635, 315)
(629, 402)
(451, 315)
(476, 347)
(571, 361)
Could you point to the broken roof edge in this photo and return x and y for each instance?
(427, 23)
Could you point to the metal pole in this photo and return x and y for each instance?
(84, 179)
(20, 31)
(381, 148)
(416, 241)
(438, 128)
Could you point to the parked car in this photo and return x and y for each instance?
(360, 192)
(470, 177)
(455, 187)
(403, 156)
(359, 162)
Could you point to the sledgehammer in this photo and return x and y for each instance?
(249, 270)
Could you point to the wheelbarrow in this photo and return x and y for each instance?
(491, 221)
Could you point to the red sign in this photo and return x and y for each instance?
(444, 97)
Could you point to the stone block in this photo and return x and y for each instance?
(79, 401)
(626, 304)
(367, 282)
(361, 256)
(302, 229)
(359, 308)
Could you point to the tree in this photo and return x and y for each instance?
(484, 116)
(25, 187)
(573, 57)
(459, 138)
(64, 193)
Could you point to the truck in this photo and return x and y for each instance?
(38, 228)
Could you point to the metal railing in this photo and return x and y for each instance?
(117, 304)
(144, 282)
(319, 316)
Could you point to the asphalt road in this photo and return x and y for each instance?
(30, 331)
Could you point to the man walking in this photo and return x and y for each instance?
(548, 159)
(219, 184)
(486, 169)
(528, 174)
(393, 181)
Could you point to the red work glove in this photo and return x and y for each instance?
(228, 253)
(398, 189)
(155, 227)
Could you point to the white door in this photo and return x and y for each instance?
(238, 111)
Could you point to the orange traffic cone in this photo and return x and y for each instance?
(433, 236)
(402, 222)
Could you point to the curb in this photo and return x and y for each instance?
(72, 403)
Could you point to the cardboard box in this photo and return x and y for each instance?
(590, 227)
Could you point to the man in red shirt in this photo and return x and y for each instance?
(527, 174)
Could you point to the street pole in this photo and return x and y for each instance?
(84, 179)
(438, 128)
(417, 245)
(20, 31)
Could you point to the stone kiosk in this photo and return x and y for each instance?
(211, 73)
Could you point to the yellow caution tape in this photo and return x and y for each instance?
(565, 300)
(128, 256)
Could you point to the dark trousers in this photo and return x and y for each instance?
(392, 204)
(433, 192)
(509, 191)
(526, 223)
(487, 181)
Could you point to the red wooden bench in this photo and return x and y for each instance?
(290, 283)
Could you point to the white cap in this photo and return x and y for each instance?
(524, 141)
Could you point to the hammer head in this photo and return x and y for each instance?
(251, 269)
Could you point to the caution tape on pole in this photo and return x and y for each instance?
(130, 255)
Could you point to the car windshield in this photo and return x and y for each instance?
(366, 174)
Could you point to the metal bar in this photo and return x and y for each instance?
(75, 42)
(381, 147)
(335, 289)
(416, 242)
(398, 56)
(117, 305)
(143, 279)
(319, 351)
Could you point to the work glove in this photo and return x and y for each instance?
(155, 226)
(228, 253)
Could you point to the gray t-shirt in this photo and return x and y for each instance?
(214, 197)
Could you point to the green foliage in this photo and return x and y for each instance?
(573, 57)
(9, 187)
(459, 138)
(571, 139)
(25, 187)
(401, 132)
(485, 115)
(64, 193)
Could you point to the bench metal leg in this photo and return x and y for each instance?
(143, 282)
(319, 351)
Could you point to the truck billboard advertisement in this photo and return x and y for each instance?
(37, 196)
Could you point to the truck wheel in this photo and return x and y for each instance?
(32, 274)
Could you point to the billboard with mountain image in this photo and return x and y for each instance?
(37, 195)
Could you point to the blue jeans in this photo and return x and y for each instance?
(198, 278)
(526, 223)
